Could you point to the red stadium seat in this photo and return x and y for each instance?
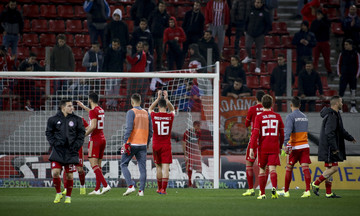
(59, 1)
(271, 66)
(56, 26)
(278, 51)
(242, 54)
(130, 25)
(279, 28)
(127, 11)
(82, 40)
(85, 27)
(39, 51)
(74, 26)
(334, 3)
(79, 12)
(252, 82)
(181, 11)
(78, 54)
(324, 82)
(65, 11)
(337, 29)
(48, 11)
(171, 10)
(265, 82)
(70, 40)
(26, 25)
(267, 55)
(47, 40)
(286, 41)
(22, 52)
(272, 42)
(31, 40)
(329, 92)
(252, 67)
(332, 13)
(31, 11)
(242, 42)
(39, 25)
(40, 1)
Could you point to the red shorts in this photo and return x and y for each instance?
(331, 164)
(268, 159)
(69, 168)
(162, 154)
(81, 158)
(248, 154)
(96, 148)
(300, 155)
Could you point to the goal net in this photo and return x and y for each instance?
(28, 99)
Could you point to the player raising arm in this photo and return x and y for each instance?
(97, 141)
(269, 130)
(162, 124)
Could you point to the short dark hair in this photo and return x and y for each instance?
(267, 101)
(145, 43)
(334, 99)
(259, 95)
(94, 97)
(162, 103)
(196, 123)
(32, 54)
(208, 31)
(144, 20)
(350, 41)
(308, 62)
(61, 36)
(238, 80)
(116, 40)
(197, 1)
(136, 97)
(95, 43)
(161, 2)
(63, 102)
(295, 101)
(281, 55)
(236, 57)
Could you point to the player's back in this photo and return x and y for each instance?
(98, 114)
(252, 113)
(162, 125)
(271, 131)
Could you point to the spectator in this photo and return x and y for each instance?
(217, 19)
(321, 28)
(114, 57)
(300, 5)
(174, 37)
(236, 90)
(278, 80)
(196, 59)
(7, 62)
(98, 11)
(304, 40)
(158, 22)
(351, 27)
(149, 58)
(190, 96)
(344, 5)
(141, 9)
(138, 64)
(11, 26)
(113, 62)
(309, 11)
(117, 29)
(142, 34)
(309, 82)
(348, 69)
(93, 59)
(208, 42)
(31, 62)
(239, 11)
(193, 25)
(257, 25)
(234, 71)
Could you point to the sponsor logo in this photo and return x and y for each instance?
(71, 123)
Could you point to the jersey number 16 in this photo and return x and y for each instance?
(162, 127)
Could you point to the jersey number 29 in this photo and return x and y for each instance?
(162, 127)
(270, 124)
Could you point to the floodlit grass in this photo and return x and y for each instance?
(184, 202)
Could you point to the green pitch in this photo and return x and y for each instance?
(182, 202)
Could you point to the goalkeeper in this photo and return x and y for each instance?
(296, 145)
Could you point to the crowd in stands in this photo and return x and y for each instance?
(149, 35)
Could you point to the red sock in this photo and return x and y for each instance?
(69, 188)
(159, 181)
(130, 186)
(164, 183)
(288, 176)
(65, 180)
(57, 184)
(319, 180)
(189, 175)
(273, 177)
(328, 187)
(262, 182)
(267, 173)
(250, 176)
(307, 177)
(82, 178)
(99, 177)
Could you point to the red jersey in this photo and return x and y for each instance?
(85, 123)
(252, 113)
(269, 129)
(99, 114)
(162, 125)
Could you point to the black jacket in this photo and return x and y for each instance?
(301, 49)
(141, 9)
(204, 45)
(348, 63)
(117, 29)
(231, 73)
(114, 60)
(332, 137)
(66, 136)
(309, 83)
(140, 35)
(258, 22)
(158, 22)
(193, 25)
(230, 89)
(321, 29)
(351, 32)
(11, 21)
(278, 80)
